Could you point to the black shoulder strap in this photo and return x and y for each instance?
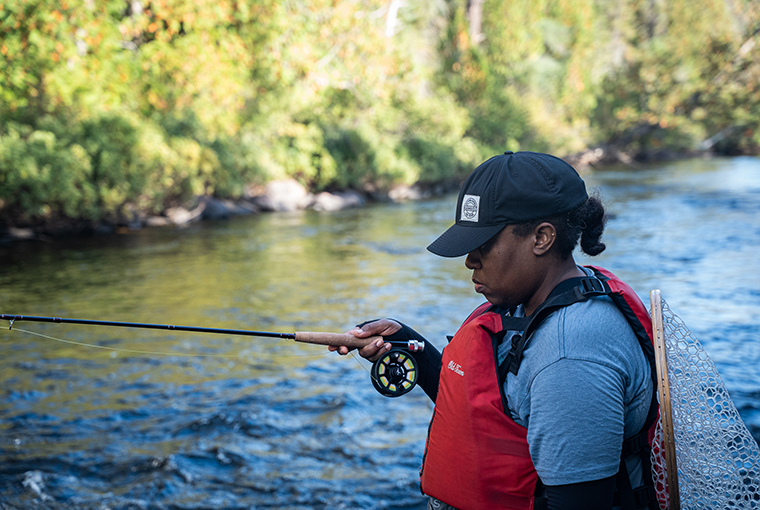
(565, 294)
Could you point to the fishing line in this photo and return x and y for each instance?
(353, 354)
(393, 374)
(373, 378)
(185, 354)
(156, 353)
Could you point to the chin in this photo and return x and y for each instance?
(503, 303)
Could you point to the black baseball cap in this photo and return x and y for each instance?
(510, 188)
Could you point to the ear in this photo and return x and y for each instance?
(544, 236)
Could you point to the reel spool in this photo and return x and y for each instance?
(394, 373)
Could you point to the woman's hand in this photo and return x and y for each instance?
(373, 350)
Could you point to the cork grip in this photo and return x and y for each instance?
(335, 339)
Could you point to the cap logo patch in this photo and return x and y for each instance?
(470, 208)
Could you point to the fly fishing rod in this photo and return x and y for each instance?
(393, 374)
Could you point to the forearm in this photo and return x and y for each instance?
(429, 362)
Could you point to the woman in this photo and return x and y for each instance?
(545, 392)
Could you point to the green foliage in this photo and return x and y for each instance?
(110, 109)
(40, 176)
(690, 73)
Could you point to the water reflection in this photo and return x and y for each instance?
(290, 426)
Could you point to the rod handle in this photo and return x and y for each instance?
(334, 339)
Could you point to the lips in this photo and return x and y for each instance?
(479, 287)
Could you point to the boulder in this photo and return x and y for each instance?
(21, 234)
(336, 201)
(177, 216)
(283, 195)
(157, 221)
(180, 215)
(402, 193)
(216, 209)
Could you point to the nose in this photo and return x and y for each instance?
(473, 260)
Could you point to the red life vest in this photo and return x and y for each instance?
(476, 456)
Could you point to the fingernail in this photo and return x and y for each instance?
(359, 330)
(379, 343)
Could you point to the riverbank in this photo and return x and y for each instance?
(277, 196)
(288, 195)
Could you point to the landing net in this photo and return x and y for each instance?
(718, 459)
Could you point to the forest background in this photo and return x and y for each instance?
(114, 109)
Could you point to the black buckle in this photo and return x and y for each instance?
(591, 286)
(644, 495)
(632, 445)
(515, 353)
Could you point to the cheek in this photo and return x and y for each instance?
(504, 277)
(512, 274)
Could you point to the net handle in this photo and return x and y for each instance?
(663, 390)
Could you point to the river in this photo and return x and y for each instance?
(266, 423)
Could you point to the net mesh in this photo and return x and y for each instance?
(718, 459)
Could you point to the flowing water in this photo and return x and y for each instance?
(263, 423)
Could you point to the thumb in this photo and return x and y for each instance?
(359, 332)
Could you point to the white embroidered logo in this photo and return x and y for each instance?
(456, 368)
(470, 208)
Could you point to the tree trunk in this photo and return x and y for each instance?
(391, 19)
(475, 16)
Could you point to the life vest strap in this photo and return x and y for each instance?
(568, 292)
(634, 444)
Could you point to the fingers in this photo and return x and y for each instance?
(359, 332)
(374, 350)
(371, 351)
(381, 327)
(342, 350)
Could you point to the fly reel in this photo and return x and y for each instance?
(394, 373)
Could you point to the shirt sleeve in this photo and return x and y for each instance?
(576, 421)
